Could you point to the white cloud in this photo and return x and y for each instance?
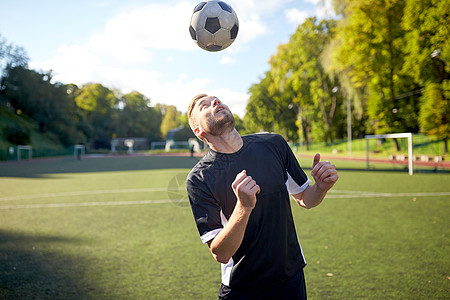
(226, 60)
(74, 64)
(146, 49)
(251, 7)
(324, 8)
(180, 91)
(251, 24)
(250, 28)
(120, 55)
(131, 35)
(236, 101)
(295, 16)
(176, 92)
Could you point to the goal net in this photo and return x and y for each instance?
(23, 148)
(407, 135)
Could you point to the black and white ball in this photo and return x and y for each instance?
(214, 25)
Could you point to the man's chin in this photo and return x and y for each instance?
(222, 127)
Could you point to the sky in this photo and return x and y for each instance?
(145, 46)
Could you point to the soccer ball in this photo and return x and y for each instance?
(214, 25)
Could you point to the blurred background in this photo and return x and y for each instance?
(320, 73)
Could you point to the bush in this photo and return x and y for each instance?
(17, 134)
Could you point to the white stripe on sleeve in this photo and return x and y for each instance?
(292, 186)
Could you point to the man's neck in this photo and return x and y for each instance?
(226, 143)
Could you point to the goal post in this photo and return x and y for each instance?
(407, 135)
(21, 148)
(78, 151)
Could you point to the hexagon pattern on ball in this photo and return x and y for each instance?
(214, 25)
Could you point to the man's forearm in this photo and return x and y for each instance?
(310, 197)
(229, 239)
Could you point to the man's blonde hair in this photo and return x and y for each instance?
(192, 118)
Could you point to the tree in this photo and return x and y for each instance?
(137, 118)
(304, 85)
(297, 91)
(428, 51)
(371, 51)
(11, 56)
(33, 94)
(262, 109)
(97, 104)
(170, 119)
(435, 111)
(85, 131)
(353, 96)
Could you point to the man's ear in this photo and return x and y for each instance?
(198, 132)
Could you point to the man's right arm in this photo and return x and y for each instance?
(229, 239)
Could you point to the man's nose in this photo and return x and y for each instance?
(216, 101)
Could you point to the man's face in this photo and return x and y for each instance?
(214, 117)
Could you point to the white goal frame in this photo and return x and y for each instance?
(82, 151)
(169, 144)
(407, 135)
(23, 147)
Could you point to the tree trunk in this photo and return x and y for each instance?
(397, 145)
(328, 118)
(305, 136)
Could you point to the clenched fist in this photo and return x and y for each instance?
(245, 189)
(324, 173)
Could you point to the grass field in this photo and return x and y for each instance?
(120, 228)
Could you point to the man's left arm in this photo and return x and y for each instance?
(325, 176)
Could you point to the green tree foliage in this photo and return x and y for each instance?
(297, 91)
(262, 107)
(427, 26)
(370, 51)
(17, 134)
(137, 118)
(435, 111)
(31, 93)
(388, 58)
(11, 55)
(315, 92)
(94, 97)
(170, 120)
(91, 114)
(84, 128)
(239, 124)
(97, 104)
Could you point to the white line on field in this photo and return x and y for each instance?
(115, 203)
(85, 193)
(387, 195)
(111, 203)
(331, 194)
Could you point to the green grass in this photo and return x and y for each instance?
(379, 247)
(56, 244)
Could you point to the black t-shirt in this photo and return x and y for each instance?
(270, 251)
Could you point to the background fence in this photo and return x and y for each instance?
(422, 145)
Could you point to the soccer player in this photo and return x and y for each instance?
(239, 195)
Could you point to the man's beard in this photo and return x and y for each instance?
(220, 126)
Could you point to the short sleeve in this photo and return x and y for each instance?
(297, 180)
(207, 212)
